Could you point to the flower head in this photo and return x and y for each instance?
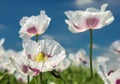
(108, 69)
(43, 55)
(20, 62)
(5, 65)
(91, 18)
(34, 25)
(79, 58)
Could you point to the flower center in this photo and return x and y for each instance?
(92, 22)
(117, 81)
(40, 57)
(32, 30)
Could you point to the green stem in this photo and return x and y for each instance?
(28, 79)
(41, 78)
(91, 42)
(35, 80)
(57, 75)
(63, 80)
(37, 37)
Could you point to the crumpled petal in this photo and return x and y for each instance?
(31, 26)
(54, 51)
(92, 18)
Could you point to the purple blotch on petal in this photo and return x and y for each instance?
(37, 72)
(32, 30)
(92, 22)
(117, 81)
(20, 79)
(29, 56)
(110, 72)
(25, 68)
(83, 61)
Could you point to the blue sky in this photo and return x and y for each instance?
(11, 11)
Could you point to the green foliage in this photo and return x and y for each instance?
(73, 75)
(8, 79)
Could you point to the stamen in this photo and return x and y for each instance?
(40, 57)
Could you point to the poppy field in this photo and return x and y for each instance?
(45, 61)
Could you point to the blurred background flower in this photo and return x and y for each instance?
(109, 68)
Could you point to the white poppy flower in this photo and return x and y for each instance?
(5, 65)
(91, 18)
(63, 65)
(74, 60)
(43, 55)
(81, 55)
(20, 62)
(115, 47)
(107, 68)
(22, 78)
(114, 78)
(34, 25)
(79, 58)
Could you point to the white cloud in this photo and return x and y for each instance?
(69, 50)
(46, 36)
(97, 47)
(63, 38)
(2, 41)
(83, 2)
(2, 26)
(115, 47)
